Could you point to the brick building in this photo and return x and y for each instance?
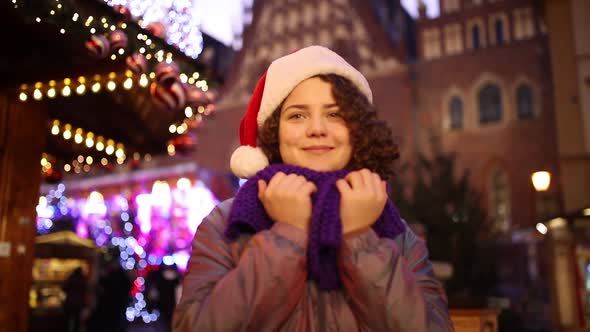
(349, 27)
(477, 79)
(485, 92)
(480, 83)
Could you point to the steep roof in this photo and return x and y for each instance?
(350, 27)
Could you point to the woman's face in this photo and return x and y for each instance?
(312, 132)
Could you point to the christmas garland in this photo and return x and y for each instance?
(113, 32)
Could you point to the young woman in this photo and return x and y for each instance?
(311, 242)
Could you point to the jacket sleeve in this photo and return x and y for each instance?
(390, 284)
(254, 291)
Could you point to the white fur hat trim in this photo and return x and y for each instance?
(246, 161)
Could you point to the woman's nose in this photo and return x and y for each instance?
(316, 127)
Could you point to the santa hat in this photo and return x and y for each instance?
(282, 76)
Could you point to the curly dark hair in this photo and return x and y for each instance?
(372, 141)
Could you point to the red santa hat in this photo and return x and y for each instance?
(282, 76)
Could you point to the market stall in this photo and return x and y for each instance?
(57, 256)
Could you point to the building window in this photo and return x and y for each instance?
(499, 28)
(475, 33)
(524, 102)
(499, 200)
(450, 6)
(475, 37)
(431, 43)
(453, 39)
(490, 104)
(524, 25)
(456, 112)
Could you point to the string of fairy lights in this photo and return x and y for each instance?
(107, 146)
(151, 48)
(68, 87)
(89, 139)
(185, 37)
(97, 83)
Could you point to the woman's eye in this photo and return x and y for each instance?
(334, 114)
(296, 116)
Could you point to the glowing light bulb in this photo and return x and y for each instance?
(143, 81)
(110, 149)
(67, 131)
(128, 84)
(89, 142)
(99, 143)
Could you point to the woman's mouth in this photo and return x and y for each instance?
(318, 149)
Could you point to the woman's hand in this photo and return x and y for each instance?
(287, 198)
(363, 198)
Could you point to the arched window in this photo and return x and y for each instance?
(499, 200)
(475, 33)
(475, 37)
(490, 104)
(456, 112)
(524, 102)
(499, 28)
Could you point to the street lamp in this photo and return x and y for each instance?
(541, 180)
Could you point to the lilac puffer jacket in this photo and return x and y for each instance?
(259, 283)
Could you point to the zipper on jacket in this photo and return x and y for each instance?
(321, 312)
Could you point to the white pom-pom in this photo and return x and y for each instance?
(246, 161)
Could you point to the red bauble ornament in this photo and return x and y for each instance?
(157, 29)
(165, 71)
(137, 63)
(185, 144)
(118, 40)
(168, 94)
(98, 46)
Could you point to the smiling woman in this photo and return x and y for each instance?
(312, 132)
(370, 139)
(311, 242)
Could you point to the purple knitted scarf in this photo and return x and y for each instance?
(248, 215)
